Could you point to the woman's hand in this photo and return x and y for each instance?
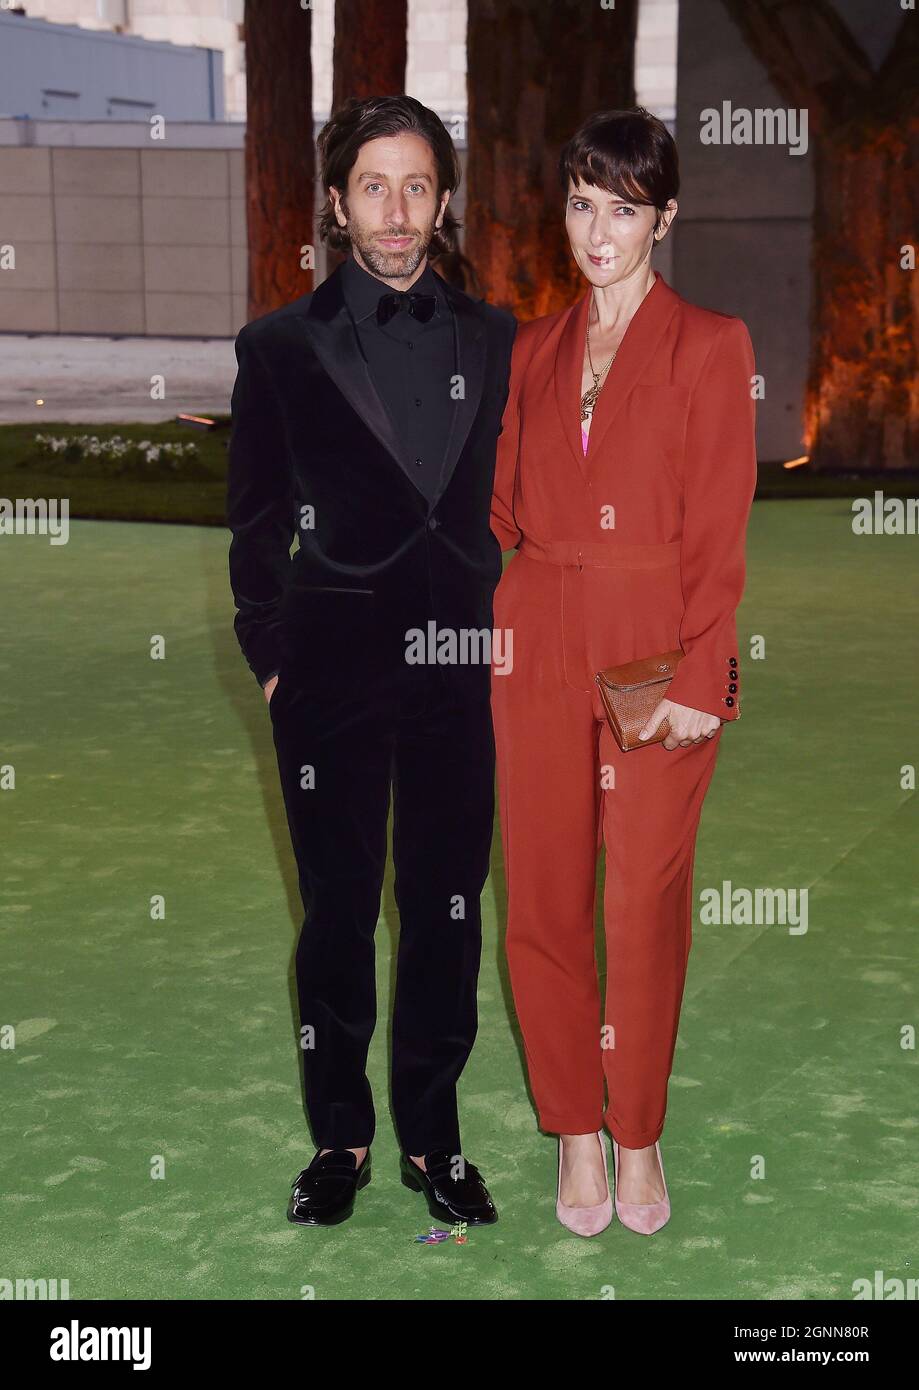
(687, 726)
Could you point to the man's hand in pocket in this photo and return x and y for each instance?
(268, 688)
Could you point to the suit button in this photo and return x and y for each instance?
(433, 523)
(729, 699)
(733, 688)
(732, 660)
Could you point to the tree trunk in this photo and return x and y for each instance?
(535, 72)
(862, 400)
(862, 406)
(368, 58)
(370, 49)
(280, 165)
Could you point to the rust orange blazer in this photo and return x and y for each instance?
(657, 509)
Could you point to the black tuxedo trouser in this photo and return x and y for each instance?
(431, 741)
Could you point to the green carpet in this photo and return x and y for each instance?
(176, 1038)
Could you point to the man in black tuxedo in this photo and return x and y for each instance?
(365, 421)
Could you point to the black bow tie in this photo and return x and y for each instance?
(420, 306)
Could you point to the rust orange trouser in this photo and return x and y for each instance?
(554, 755)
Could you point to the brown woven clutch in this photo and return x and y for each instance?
(632, 692)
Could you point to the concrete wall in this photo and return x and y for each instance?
(742, 240)
(121, 240)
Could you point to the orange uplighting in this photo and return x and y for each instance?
(196, 420)
(797, 463)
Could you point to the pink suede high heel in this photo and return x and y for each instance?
(643, 1217)
(584, 1221)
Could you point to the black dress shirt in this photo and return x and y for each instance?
(411, 365)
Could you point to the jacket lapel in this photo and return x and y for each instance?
(636, 351)
(469, 349)
(569, 363)
(635, 354)
(328, 326)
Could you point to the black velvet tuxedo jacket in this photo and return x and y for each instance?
(314, 454)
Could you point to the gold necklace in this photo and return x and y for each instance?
(589, 398)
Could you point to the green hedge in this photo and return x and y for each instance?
(194, 489)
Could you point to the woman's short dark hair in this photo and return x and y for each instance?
(629, 153)
(360, 120)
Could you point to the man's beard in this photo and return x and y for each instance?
(390, 265)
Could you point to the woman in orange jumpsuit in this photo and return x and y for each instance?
(626, 470)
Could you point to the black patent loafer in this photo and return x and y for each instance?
(449, 1198)
(323, 1194)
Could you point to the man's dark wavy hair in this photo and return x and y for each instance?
(629, 153)
(360, 120)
